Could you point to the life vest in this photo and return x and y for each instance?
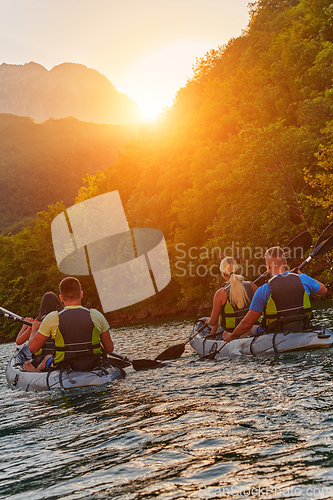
(77, 342)
(287, 298)
(48, 348)
(231, 316)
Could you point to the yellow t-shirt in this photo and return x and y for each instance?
(49, 325)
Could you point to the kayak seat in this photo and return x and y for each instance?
(296, 323)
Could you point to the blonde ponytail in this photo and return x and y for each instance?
(238, 295)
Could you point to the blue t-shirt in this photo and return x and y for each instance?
(262, 295)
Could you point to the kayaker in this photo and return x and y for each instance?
(50, 302)
(231, 302)
(81, 335)
(285, 294)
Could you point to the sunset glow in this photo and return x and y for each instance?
(146, 49)
(155, 78)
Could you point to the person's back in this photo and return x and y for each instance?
(81, 335)
(287, 297)
(77, 343)
(231, 302)
(233, 311)
(50, 302)
(285, 294)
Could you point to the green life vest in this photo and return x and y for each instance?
(231, 316)
(287, 298)
(77, 343)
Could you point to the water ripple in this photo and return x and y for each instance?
(182, 431)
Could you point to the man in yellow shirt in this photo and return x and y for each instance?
(81, 335)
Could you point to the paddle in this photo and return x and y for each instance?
(328, 231)
(177, 350)
(139, 364)
(321, 249)
(302, 241)
(15, 317)
(211, 355)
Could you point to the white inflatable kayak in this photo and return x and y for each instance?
(268, 344)
(55, 379)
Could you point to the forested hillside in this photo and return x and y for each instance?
(41, 164)
(244, 155)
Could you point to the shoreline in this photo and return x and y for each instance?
(159, 314)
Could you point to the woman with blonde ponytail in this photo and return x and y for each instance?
(232, 301)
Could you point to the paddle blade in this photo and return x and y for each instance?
(172, 352)
(328, 231)
(146, 364)
(324, 247)
(297, 247)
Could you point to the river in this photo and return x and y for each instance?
(241, 428)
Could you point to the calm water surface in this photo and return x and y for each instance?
(206, 430)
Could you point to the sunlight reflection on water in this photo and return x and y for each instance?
(167, 433)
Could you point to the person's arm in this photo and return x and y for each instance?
(322, 289)
(107, 341)
(244, 326)
(24, 334)
(42, 331)
(311, 285)
(37, 342)
(35, 327)
(220, 299)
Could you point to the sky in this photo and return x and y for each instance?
(146, 48)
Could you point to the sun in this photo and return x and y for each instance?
(150, 110)
(155, 77)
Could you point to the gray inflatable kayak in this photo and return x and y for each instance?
(268, 344)
(55, 379)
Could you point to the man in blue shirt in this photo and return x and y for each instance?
(290, 288)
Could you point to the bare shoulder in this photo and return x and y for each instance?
(220, 295)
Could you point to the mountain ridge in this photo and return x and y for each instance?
(68, 89)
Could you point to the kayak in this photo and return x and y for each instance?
(17, 378)
(267, 344)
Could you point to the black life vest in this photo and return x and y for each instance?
(287, 298)
(231, 316)
(77, 343)
(48, 347)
